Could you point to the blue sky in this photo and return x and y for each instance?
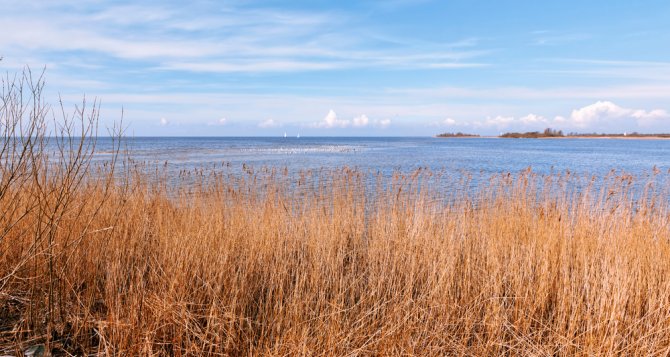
(364, 67)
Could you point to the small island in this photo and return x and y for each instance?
(634, 135)
(547, 133)
(551, 133)
(457, 135)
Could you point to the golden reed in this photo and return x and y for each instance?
(115, 261)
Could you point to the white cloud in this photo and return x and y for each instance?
(528, 122)
(649, 90)
(164, 122)
(361, 120)
(498, 121)
(269, 123)
(449, 121)
(383, 123)
(231, 66)
(214, 38)
(560, 119)
(650, 115)
(331, 121)
(595, 112)
(607, 112)
(596, 116)
(220, 122)
(531, 119)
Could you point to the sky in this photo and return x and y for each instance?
(350, 68)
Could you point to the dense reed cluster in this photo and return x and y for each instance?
(109, 259)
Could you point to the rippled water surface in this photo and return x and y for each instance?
(476, 155)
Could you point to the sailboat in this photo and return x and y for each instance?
(284, 134)
(298, 136)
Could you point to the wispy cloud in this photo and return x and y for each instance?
(654, 71)
(644, 90)
(594, 116)
(268, 123)
(605, 111)
(219, 122)
(249, 66)
(361, 120)
(450, 122)
(382, 123)
(379, 64)
(331, 121)
(234, 38)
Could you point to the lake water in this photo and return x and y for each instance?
(385, 155)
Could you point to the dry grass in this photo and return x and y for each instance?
(271, 263)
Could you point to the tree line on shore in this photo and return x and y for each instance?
(553, 133)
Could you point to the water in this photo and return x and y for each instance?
(386, 155)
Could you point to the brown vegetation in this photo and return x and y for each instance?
(619, 135)
(547, 133)
(457, 135)
(267, 263)
(551, 133)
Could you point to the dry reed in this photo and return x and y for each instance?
(325, 263)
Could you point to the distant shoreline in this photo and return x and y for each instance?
(550, 133)
(562, 137)
(628, 137)
(464, 137)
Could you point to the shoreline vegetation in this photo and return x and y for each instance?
(457, 135)
(118, 259)
(558, 134)
(551, 133)
(547, 133)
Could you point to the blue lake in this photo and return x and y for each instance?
(385, 155)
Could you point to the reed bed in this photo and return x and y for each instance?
(113, 261)
(255, 266)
